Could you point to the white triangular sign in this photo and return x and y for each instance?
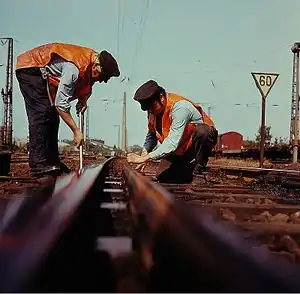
(264, 82)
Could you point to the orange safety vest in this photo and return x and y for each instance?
(82, 57)
(186, 140)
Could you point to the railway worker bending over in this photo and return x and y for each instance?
(185, 132)
(50, 77)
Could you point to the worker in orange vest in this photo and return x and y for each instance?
(50, 77)
(185, 132)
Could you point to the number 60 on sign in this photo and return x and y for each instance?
(264, 82)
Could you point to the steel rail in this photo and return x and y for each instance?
(47, 241)
(283, 177)
(183, 249)
(254, 170)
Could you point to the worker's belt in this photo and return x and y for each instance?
(45, 77)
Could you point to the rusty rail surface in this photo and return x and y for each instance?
(64, 238)
(47, 241)
(182, 249)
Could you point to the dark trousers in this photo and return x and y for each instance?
(43, 119)
(179, 169)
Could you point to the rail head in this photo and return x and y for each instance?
(146, 198)
(171, 234)
(33, 226)
(255, 170)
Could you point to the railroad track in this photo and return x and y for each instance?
(275, 216)
(111, 229)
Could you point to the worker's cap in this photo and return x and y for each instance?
(146, 94)
(109, 65)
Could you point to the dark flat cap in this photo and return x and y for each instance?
(146, 91)
(109, 64)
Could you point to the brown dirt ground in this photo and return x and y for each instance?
(19, 168)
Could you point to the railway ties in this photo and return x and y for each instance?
(289, 179)
(273, 218)
(240, 203)
(111, 230)
(117, 192)
(190, 237)
(48, 239)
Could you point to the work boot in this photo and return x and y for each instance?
(44, 171)
(199, 170)
(64, 168)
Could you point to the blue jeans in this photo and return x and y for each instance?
(179, 169)
(43, 119)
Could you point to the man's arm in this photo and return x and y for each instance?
(81, 105)
(181, 116)
(68, 119)
(150, 142)
(65, 92)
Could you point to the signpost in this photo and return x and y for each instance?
(264, 82)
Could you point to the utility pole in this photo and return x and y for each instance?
(119, 131)
(7, 96)
(294, 125)
(87, 129)
(209, 107)
(124, 129)
(209, 110)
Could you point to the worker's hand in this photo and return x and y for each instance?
(144, 153)
(134, 158)
(141, 167)
(78, 138)
(81, 107)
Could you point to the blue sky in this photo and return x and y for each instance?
(184, 45)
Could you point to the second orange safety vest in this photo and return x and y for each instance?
(82, 57)
(186, 140)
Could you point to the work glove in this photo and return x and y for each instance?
(81, 107)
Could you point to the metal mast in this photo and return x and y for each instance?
(119, 134)
(7, 96)
(87, 129)
(124, 129)
(294, 126)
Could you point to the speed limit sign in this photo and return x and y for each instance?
(264, 82)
